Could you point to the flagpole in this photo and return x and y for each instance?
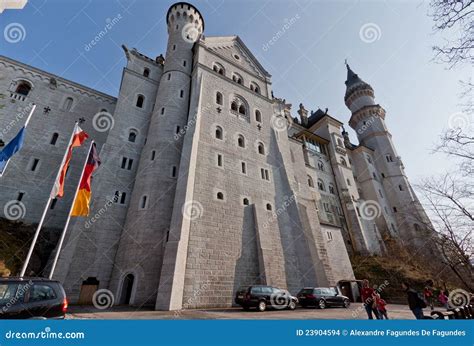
(40, 224)
(26, 124)
(63, 234)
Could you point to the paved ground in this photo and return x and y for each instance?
(354, 312)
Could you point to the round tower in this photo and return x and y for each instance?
(151, 205)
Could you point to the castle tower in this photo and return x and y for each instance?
(140, 255)
(394, 195)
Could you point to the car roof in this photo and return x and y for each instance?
(24, 279)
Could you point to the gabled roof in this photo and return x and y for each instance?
(227, 46)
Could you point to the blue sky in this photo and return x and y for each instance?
(306, 62)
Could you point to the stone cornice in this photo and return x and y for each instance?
(365, 112)
(61, 82)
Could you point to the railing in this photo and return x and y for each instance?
(16, 96)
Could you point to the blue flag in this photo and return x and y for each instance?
(11, 148)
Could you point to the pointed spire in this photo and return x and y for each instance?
(352, 77)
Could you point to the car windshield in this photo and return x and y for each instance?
(306, 291)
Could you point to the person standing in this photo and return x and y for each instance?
(415, 303)
(443, 299)
(428, 294)
(368, 299)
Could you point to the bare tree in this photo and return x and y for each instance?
(457, 18)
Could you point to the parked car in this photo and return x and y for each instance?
(322, 297)
(35, 298)
(263, 297)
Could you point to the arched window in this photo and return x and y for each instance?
(269, 207)
(234, 106)
(389, 158)
(146, 72)
(219, 99)
(23, 88)
(321, 185)
(321, 166)
(242, 110)
(261, 148)
(132, 136)
(245, 201)
(310, 181)
(348, 182)
(218, 68)
(237, 78)
(140, 101)
(54, 138)
(219, 133)
(254, 87)
(258, 116)
(343, 162)
(68, 104)
(241, 141)
(400, 187)
(339, 142)
(331, 189)
(220, 196)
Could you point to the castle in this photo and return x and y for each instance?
(208, 182)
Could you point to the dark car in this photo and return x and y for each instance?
(262, 297)
(322, 297)
(36, 298)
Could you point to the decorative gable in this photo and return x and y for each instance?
(233, 49)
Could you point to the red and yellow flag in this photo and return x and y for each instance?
(79, 136)
(81, 204)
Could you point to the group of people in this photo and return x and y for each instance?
(376, 306)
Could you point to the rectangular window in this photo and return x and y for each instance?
(123, 196)
(153, 155)
(169, 76)
(162, 110)
(329, 234)
(130, 163)
(177, 129)
(244, 167)
(219, 160)
(124, 162)
(184, 63)
(53, 203)
(262, 172)
(20, 196)
(143, 203)
(181, 93)
(34, 164)
(173, 172)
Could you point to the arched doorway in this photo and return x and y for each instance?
(127, 286)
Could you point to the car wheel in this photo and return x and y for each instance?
(292, 305)
(262, 306)
(347, 303)
(322, 304)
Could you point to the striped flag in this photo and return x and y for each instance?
(78, 137)
(82, 202)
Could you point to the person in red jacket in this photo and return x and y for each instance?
(381, 307)
(368, 299)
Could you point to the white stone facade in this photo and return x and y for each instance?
(218, 187)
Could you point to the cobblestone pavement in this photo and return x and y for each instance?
(354, 312)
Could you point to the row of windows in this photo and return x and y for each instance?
(264, 173)
(238, 105)
(219, 134)
(237, 78)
